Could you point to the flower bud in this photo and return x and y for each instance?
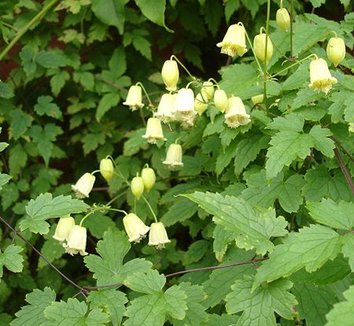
(259, 44)
(167, 108)
(234, 41)
(283, 19)
(64, 228)
(149, 178)
(135, 227)
(221, 101)
(170, 74)
(134, 98)
(257, 99)
(199, 104)
(153, 131)
(320, 76)
(336, 50)
(185, 100)
(137, 187)
(174, 156)
(236, 114)
(158, 235)
(76, 241)
(107, 169)
(207, 91)
(84, 185)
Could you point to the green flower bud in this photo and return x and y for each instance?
(107, 169)
(336, 50)
(283, 19)
(149, 178)
(259, 43)
(137, 187)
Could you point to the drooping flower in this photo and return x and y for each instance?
(259, 46)
(107, 169)
(336, 50)
(134, 98)
(135, 227)
(236, 115)
(167, 108)
(185, 112)
(170, 74)
(257, 99)
(153, 131)
(149, 178)
(282, 19)
(174, 156)
(199, 104)
(234, 41)
(137, 187)
(320, 76)
(207, 91)
(84, 185)
(221, 101)
(158, 235)
(76, 242)
(63, 229)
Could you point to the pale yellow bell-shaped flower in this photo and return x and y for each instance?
(137, 187)
(76, 242)
(234, 41)
(207, 91)
(221, 101)
(257, 99)
(158, 236)
(134, 98)
(259, 43)
(63, 229)
(282, 19)
(199, 104)
(135, 227)
(167, 108)
(185, 100)
(235, 114)
(320, 76)
(107, 169)
(153, 131)
(174, 156)
(170, 74)
(149, 178)
(84, 185)
(336, 50)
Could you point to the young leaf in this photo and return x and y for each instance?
(45, 106)
(343, 312)
(107, 102)
(180, 211)
(321, 140)
(148, 283)
(4, 179)
(108, 267)
(32, 314)
(44, 207)
(311, 248)
(11, 259)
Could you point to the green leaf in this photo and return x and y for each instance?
(154, 10)
(258, 306)
(20, 122)
(107, 102)
(317, 3)
(92, 141)
(225, 157)
(44, 207)
(252, 229)
(147, 283)
(335, 215)
(292, 121)
(32, 314)
(45, 106)
(222, 238)
(142, 45)
(347, 249)
(51, 59)
(52, 249)
(321, 140)
(108, 267)
(73, 313)
(213, 15)
(57, 82)
(311, 248)
(6, 90)
(110, 12)
(343, 312)
(180, 211)
(17, 159)
(4, 179)
(11, 259)
(111, 301)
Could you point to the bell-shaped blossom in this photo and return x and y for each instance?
(167, 108)
(207, 91)
(137, 187)
(158, 236)
(221, 101)
(84, 185)
(185, 100)
(76, 242)
(257, 99)
(259, 46)
(174, 156)
(336, 50)
(153, 131)
(149, 178)
(234, 41)
(170, 74)
(199, 104)
(134, 98)
(236, 115)
(282, 19)
(135, 227)
(63, 229)
(107, 169)
(320, 76)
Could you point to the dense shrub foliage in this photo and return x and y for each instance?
(232, 204)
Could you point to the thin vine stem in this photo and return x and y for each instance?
(291, 26)
(344, 169)
(23, 30)
(148, 204)
(183, 66)
(265, 54)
